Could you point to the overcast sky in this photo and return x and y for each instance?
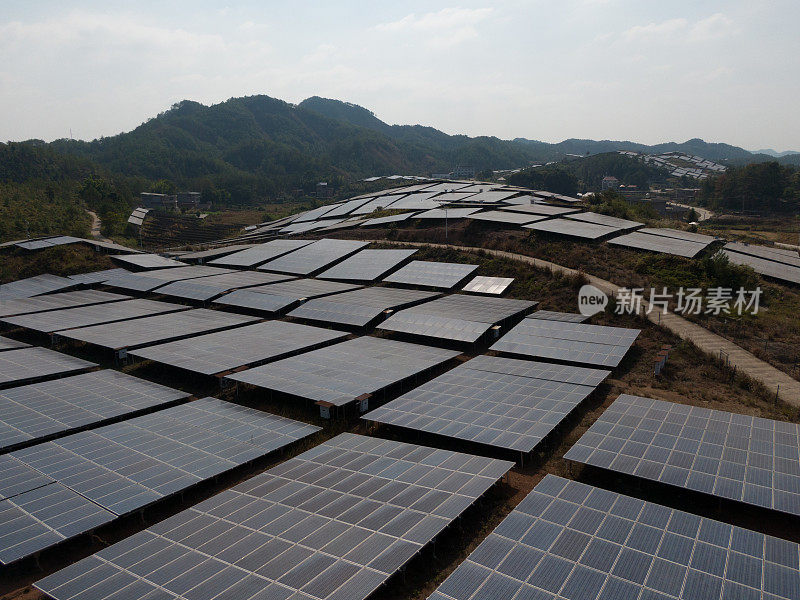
(641, 70)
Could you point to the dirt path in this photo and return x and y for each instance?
(786, 388)
(702, 213)
(96, 225)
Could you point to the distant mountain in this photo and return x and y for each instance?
(774, 153)
(256, 147)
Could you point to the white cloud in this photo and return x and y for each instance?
(446, 27)
(655, 31)
(715, 27)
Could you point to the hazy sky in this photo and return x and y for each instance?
(643, 70)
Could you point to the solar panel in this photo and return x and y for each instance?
(499, 402)
(491, 196)
(50, 242)
(446, 213)
(43, 517)
(340, 373)
(375, 204)
(145, 282)
(260, 253)
(202, 256)
(32, 413)
(206, 288)
(571, 540)
(540, 209)
(508, 218)
(345, 208)
(388, 219)
(780, 255)
(601, 219)
(488, 285)
(313, 257)
(97, 276)
(34, 286)
(82, 316)
(31, 364)
(550, 315)
(222, 351)
(678, 234)
(440, 275)
(417, 201)
(21, 306)
(367, 265)
(766, 267)
(255, 301)
(457, 317)
(9, 344)
(738, 457)
(335, 522)
(134, 333)
(315, 213)
(579, 229)
(278, 296)
(659, 243)
(359, 307)
(293, 228)
(101, 474)
(147, 261)
(572, 342)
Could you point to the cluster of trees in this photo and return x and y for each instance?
(586, 174)
(758, 188)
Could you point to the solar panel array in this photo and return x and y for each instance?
(206, 255)
(573, 342)
(678, 234)
(40, 410)
(659, 243)
(571, 540)
(359, 307)
(446, 213)
(500, 402)
(21, 306)
(144, 282)
(50, 242)
(147, 261)
(222, 351)
(333, 523)
(33, 286)
(9, 344)
(766, 267)
(260, 253)
(313, 257)
(82, 316)
(509, 218)
(456, 317)
(579, 229)
(367, 265)
(375, 204)
(495, 286)
(440, 275)
(340, 373)
(550, 315)
(207, 288)
(388, 219)
(30, 364)
(781, 255)
(607, 220)
(739, 457)
(541, 209)
(94, 277)
(59, 489)
(278, 296)
(158, 328)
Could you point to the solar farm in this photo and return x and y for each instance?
(312, 418)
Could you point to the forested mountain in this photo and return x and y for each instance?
(255, 149)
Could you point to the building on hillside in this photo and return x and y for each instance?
(463, 172)
(188, 200)
(324, 190)
(165, 202)
(609, 183)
